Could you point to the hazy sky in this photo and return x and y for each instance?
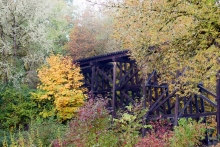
(81, 4)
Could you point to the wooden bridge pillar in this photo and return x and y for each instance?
(144, 106)
(218, 105)
(176, 113)
(92, 84)
(114, 89)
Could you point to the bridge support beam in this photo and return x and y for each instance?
(176, 110)
(218, 105)
(92, 84)
(114, 89)
(144, 106)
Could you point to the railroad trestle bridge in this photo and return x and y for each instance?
(116, 76)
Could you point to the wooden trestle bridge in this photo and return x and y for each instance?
(117, 76)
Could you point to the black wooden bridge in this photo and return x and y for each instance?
(117, 76)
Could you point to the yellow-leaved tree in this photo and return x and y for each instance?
(60, 92)
(180, 39)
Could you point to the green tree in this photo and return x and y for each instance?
(25, 38)
(16, 108)
(59, 26)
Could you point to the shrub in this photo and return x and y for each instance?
(158, 135)
(41, 133)
(16, 107)
(128, 125)
(188, 133)
(60, 92)
(90, 127)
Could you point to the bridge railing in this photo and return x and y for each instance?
(162, 104)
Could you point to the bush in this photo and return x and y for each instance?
(128, 125)
(40, 133)
(188, 133)
(90, 127)
(60, 92)
(16, 107)
(158, 135)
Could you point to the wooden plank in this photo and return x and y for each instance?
(131, 88)
(168, 101)
(156, 103)
(104, 58)
(120, 75)
(144, 96)
(164, 106)
(96, 80)
(137, 81)
(156, 97)
(121, 84)
(102, 81)
(104, 74)
(202, 105)
(190, 106)
(92, 79)
(197, 115)
(167, 98)
(132, 71)
(156, 90)
(156, 117)
(152, 117)
(185, 105)
(218, 105)
(150, 97)
(176, 110)
(205, 90)
(150, 77)
(196, 104)
(156, 86)
(114, 90)
(185, 111)
(128, 97)
(124, 77)
(208, 100)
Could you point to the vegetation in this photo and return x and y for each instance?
(17, 108)
(25, 38)
(42, 98)
(159, 134)
(40, 133)
(188, 133)
(128, 125)
(92, 126)
(60, 92)
(91, 35)
(172, 36)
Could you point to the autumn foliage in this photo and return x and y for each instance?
(89, 36)
(61, 83)
(82, 42)
(172, 37)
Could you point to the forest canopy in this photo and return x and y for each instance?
(171, 36)
(43, 101)
(29, 31)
